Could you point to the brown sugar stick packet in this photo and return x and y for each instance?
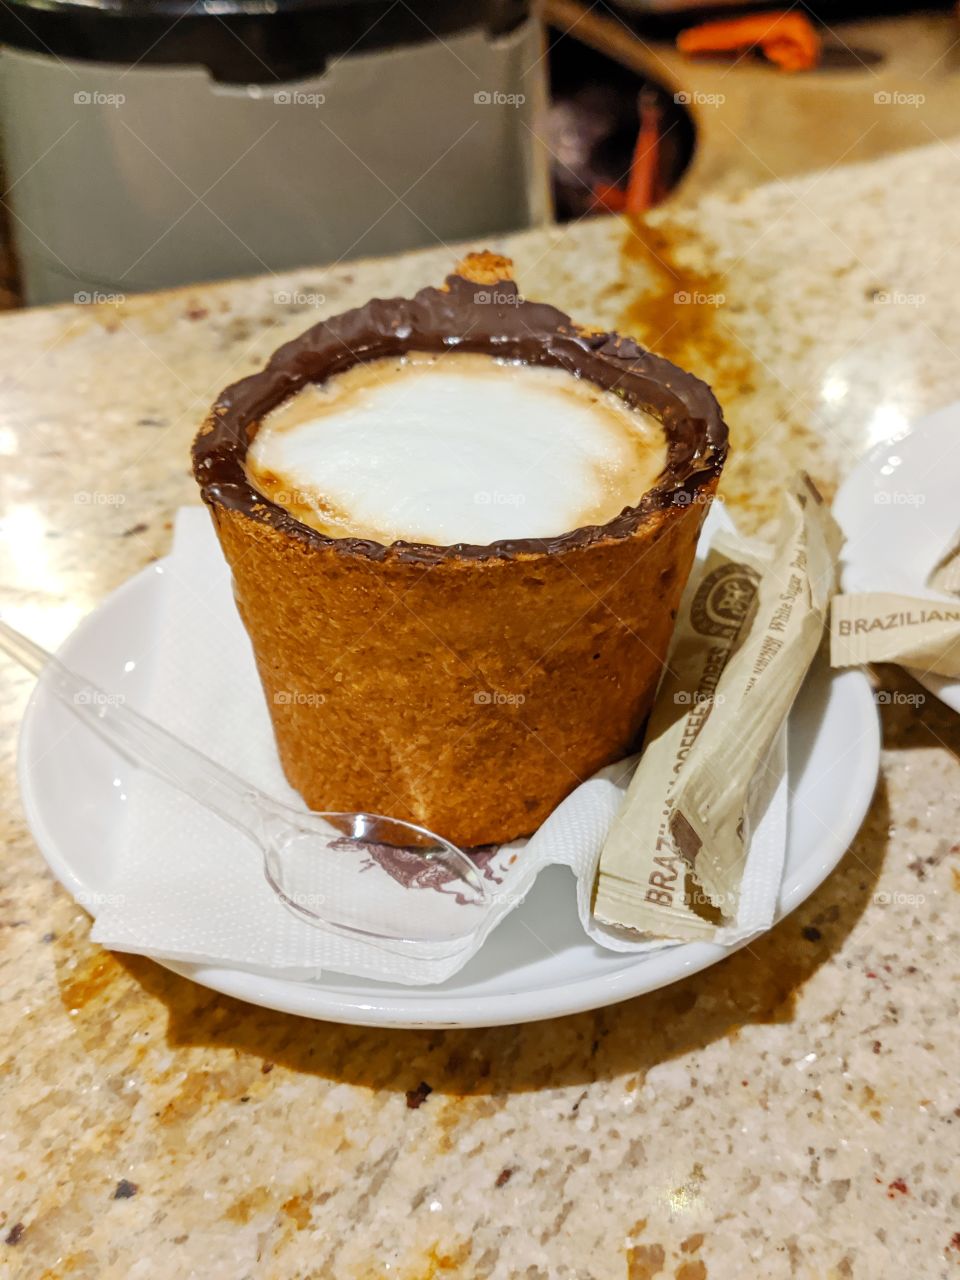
(919, 633)
(748, 631)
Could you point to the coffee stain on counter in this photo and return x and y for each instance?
(677, 314)
(647, 1261)
(178, 1065)
(87, 975)
(680, 305)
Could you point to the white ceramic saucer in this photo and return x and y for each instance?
(898, 511)
(539, 963)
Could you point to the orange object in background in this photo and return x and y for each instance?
(645, 186)
(790, 40)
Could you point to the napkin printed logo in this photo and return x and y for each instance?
(724, 601)
(408, 867)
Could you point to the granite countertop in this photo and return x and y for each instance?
(792, 1112)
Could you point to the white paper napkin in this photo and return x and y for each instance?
(190, 888)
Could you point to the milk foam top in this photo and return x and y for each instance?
(455, 448)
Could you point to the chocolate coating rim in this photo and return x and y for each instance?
(452, 319)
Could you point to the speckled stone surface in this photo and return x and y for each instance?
(793, 1112)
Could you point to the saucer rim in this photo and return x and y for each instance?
(419, 1007)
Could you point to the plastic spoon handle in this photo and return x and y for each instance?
(144, 742)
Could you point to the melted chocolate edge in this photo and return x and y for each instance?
(490, 320)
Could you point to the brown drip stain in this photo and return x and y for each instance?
(214, 1051)
(444, 1259)
(94, 972)
(644, 1261)
(869, 1101)
(246, 1206)
(677, 314)
(759, 986)
(691, 1271)
(297, 1209)
(681, 313)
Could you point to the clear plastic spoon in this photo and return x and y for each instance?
(390, 882)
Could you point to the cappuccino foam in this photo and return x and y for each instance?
(455, 448)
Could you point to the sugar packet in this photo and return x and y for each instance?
(749, 628)
(920, 633)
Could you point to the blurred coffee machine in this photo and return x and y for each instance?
(148, 145)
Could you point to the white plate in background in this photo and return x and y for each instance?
(899, 512)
